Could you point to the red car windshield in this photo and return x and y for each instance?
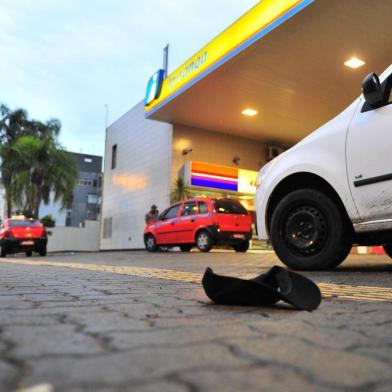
(24, 223)
(230, 207)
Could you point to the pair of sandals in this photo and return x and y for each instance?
(266, 289)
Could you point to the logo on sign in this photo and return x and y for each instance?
(154, 87)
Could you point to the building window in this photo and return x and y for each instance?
(85, 182)
(95, 183)
(114, 156)
(92, 199)
(107, 228)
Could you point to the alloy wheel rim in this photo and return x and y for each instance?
(202, 241)
(150, 242)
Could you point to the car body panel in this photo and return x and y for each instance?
(19, 235)
(223, 228)
(322, 153)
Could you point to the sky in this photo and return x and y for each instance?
(67, 59)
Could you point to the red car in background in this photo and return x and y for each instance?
(203, 222)
(19, 234)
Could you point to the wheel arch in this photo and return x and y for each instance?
(148, 233)
(210, 230)
(303, 180)
(198, 230)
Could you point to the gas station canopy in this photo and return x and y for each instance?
(284, 59)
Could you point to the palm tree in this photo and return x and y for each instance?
(33, 165)
(44, 169)
(180, 191)
(13, 124)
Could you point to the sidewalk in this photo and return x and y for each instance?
(91, 329)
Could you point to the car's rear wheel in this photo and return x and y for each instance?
(388, 249)
(42, 252)
(242, 246)
(29, 253)
(309, 231)
(186, 248)
(204, 241)
(150, 243)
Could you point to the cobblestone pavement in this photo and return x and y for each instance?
(132, 321)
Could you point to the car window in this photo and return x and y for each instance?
(172, 212)
(190, 208)
(23, 223)
(203, 207)
(229, 207)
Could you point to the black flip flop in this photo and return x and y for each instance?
(266, 289)
(226, 290)
(293, 288)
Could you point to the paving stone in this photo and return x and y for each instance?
(138, 365)
(84, 330)
(253, 379)
(38, 341)
(8, 374)
(320, 364)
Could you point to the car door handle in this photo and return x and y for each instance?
(173, 223)
(193, 220)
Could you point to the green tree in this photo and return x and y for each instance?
(48, 221)
(180, 191)
(44, 169)
(34, 166)
(13, 124)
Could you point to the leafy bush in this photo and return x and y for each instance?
(48, 221)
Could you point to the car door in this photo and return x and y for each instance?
(187, 222)
(165, 229)
(369, 159)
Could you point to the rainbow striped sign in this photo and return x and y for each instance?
(207, 175)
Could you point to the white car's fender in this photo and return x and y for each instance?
(322, 153)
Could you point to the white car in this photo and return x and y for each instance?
(334, 188)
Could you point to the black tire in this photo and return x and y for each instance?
(29, 253)
(310, 232)
(242, 247)
(42, 252)
(150, 243)
(388, 250)
(186, 248)
(3, 253)
(204, 241)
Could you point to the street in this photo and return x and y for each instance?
(133, 321)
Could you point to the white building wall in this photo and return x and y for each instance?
(217, 148)
(77, 239)
(141, 177)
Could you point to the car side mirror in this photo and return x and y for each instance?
(161, 218)
(372, 91)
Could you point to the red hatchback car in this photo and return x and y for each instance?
(19, 234)
(203, 222)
